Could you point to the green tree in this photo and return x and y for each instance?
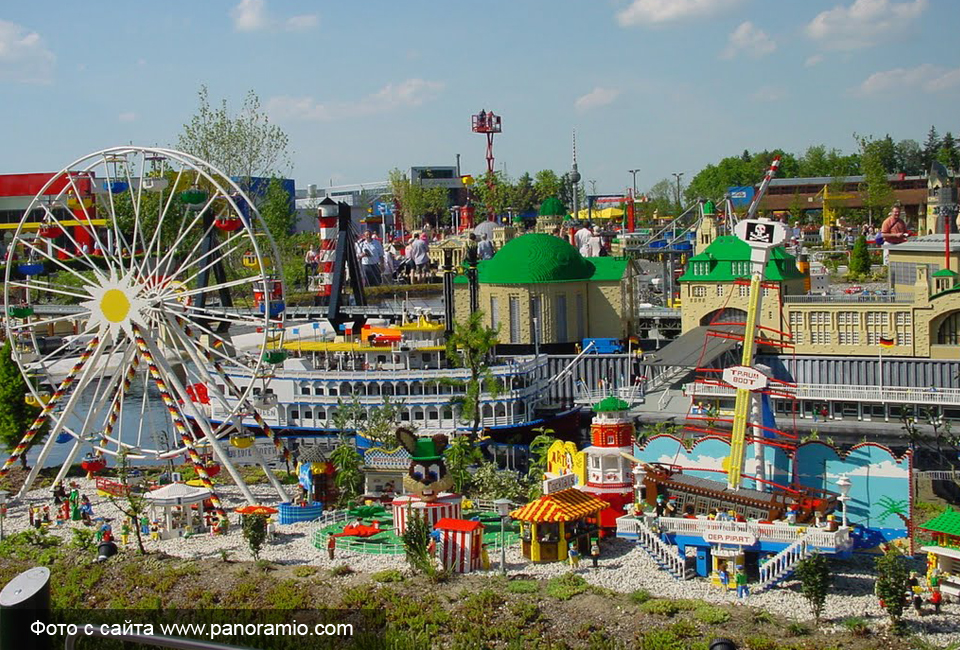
(860, 257)
(661, 197)
(460, 455)
(539, 448)
(875, 190)
(523, 195)
(347, 462)
(470, 347)
(891, 585)
(797, 207)
(244, 145)
(416, 540)
(255, 532)
(909, 157)
(931, 147)
(948, 155)
(546, 184)
(133, 504)
(815, 578)
(276, 208)
(490, 482)
(492, 193)
(16, 415)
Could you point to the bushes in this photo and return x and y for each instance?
(640, 596)
(566, 586)
(668, 607)
(522, 586)
(711, 614)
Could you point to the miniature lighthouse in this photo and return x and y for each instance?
(609, 473)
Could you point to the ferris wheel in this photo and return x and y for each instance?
(130, 280)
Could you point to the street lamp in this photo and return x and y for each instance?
(678, 176)
(843, 484)
(634, 172)
(503, 509)
(3, 509)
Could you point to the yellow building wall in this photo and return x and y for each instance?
(606, 314)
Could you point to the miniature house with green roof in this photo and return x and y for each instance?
(551, 215)
(542, 278)
(944, 554)
(711, 289)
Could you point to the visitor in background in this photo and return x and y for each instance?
(485, 248)
(419, 253)
(582, 237)
(371, 254)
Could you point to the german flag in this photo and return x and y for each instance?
(886, 342)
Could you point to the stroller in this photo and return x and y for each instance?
(404, 272)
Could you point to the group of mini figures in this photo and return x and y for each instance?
(68, 507)
(573, 554)
(914, 594)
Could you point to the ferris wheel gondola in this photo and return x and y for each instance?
(150, 286)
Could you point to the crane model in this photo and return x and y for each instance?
(831, 201)
(488, 123)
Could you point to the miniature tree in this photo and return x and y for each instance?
(539, 447)
(891, 586)
(469, 347)
(255, 532)
(460, 455)
(815, 578)
(133, 504)
(16, 415)
(416, 539)
(490, 482)
(860, 258)
(349, 476)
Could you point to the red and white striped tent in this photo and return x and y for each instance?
(446, 505)
(460, 544)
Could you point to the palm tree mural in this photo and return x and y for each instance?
(900, 508)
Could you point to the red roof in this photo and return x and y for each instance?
(459, 525)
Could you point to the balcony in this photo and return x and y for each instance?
(850, 298)
(846, 393)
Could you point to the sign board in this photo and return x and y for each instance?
(248, 455)
(559, 483)
(741, 196)
(730, 537)
(761, 234)
(745, 377)
(564, 458)
(383, 208)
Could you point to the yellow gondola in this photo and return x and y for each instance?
(32, 399)
(241, 440)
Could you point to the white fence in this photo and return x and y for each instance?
(783, 563)
(846, 393)
(782, 533)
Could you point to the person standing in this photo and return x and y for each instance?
(419, 254)
(742, 589)
(573, 555)
(331, 545)
(595, 552)
(485, 248)
(371, 253)
(471, 253)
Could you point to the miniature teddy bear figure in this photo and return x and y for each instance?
(427, 475)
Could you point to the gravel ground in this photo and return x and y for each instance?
(623, 567)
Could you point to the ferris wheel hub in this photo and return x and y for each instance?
(115, 305)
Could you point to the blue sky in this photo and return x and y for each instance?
(363, 87)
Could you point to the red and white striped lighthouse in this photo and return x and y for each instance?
(609, 474)
(327, 215)
(460, 544)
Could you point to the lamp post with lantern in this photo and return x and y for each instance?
(639, 476)
(843, 484)
(503, 509)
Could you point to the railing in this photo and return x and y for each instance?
(937, 475)
(657, 312)
(626, 393)
(784, 533)
(781, 564)
(845, 393)
(665, 554)
(850, 298)
(524, 366)
(662, 402)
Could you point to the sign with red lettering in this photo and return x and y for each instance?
(745, 377)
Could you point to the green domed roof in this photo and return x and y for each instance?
(552, 207)
(536, 257)
(610, 403)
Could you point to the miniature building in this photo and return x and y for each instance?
(179, 507)
(383, 472)
(460, 544)
(446, 506)
(553, 521)
(542, 277)
(944, 554)
(941, 192)
(609, 473)
(551, 215)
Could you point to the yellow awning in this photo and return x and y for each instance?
(567, 505)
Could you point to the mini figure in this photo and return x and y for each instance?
(32, 516)
(107, 531)
(124, 533)
(46, 515)
(723, 576)
(75, 502)
(484, 557)
(64, 511)
(742, 589)
(792, 514)
(595, 552)
(144, 525)
(155, 531)
(574, 555)
(86, 510)
(936, 599)
(331, 544)
(98, 534)
(432, 547)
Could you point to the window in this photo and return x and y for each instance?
(820, 318)
(514, 319)
(561, 318)
(699, 291)
(949, 332)
(307, 414)
(304, 390)
(796, 327)
(743, 290)
(294, 414)
(536, 318)
(494, 312)
(720, 290)
(903, 318)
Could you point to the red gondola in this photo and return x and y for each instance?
(93, 464)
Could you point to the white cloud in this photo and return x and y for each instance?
(128, 116)
(411, 92)
(885, 469)
(662, 12)
(927, 77)
(811, 61)
(252, 16)
(24, 57)
(769, 94)
(863, 23)
(596, 98)
(750, 40)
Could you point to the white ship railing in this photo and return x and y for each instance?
(782, 533)
(372, 374)
(845, 393)
(783, 563)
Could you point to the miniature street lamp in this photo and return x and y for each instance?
(3, 509)
(843, 484)
(503, 509)
(639, 476)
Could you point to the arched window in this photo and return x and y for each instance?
(728, 315)
(949, 332)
